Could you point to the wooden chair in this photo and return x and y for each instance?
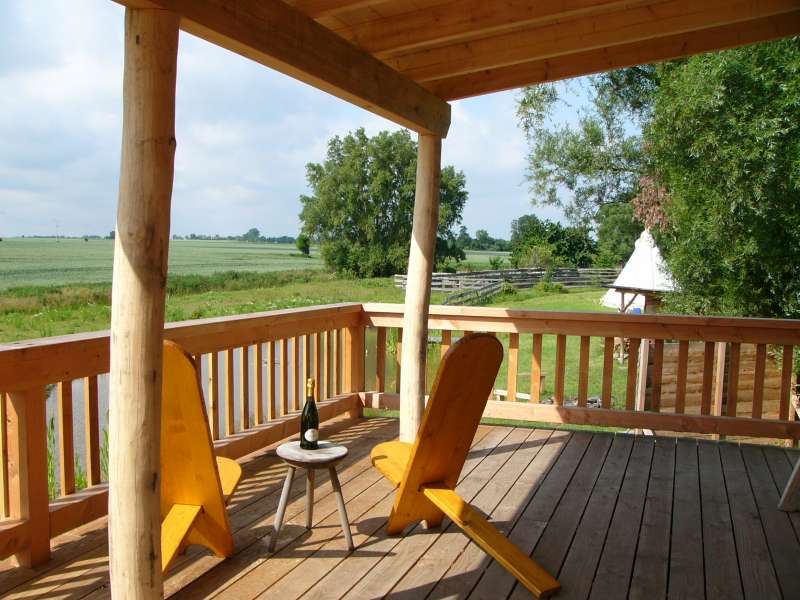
(195, 485)
(427, 471)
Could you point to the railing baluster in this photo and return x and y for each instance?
(213, 394)
(92, 421)
(244, 388)
(66, 448)
(583, 371)
(447, 340)
(298, 383)
(258, 382)
(380, 359)
(683, 369)
(318, 363)
(786, 382)
(758, 380)
(271, 396)
(337, 371)
(658, 368)
(306, 359)
(353, 367)
(719, 381)
(4, 402)
(608, 371)
(397, 354)
(561, 351)
(708, 378)
(536, 368)
(633, 369)
(733, 380)
(27, 468)
(513, 366)
(284, 376)
(328, 364)
(229, 400)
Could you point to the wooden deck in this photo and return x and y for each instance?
(613, 516)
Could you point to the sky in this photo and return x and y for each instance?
(245, 133)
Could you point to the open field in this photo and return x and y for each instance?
(51, 261)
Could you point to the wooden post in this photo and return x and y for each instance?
(137, 312)
(27, 472)
(354, 342)
(418, 286)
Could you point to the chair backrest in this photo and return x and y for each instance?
(188, 466)
(458, 397)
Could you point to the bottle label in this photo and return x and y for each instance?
(311, 435)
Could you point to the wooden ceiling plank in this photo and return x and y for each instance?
(625, 55)
(276, 35)
(466, 19)
(667, 17)
(327, 8)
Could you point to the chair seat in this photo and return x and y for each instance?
(230, 472)
(391, 458)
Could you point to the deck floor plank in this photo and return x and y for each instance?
(722, 579)
(650, 569)
(755, 566)
(496, 582)
(686, 570)
(613, 516)
(577, 572)
(781, 538)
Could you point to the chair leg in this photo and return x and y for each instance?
(287, 487)
(309, 497)
(337, 491)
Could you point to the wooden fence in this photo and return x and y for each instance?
(521, 278)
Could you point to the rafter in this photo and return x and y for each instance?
(625, 55)
(281, 37)
(655, 20)
(466, 19)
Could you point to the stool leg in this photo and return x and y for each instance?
(287, 487)
(309, 496)
(337, 491)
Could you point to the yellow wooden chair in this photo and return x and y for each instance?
(195, 485)
(427, 471)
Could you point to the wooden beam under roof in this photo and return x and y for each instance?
(615, 57)
(654, 20)
(283, 38)
(317, 9)
(465, 19)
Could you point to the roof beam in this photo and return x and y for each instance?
(625, 55)
(465, 19)
(276, 35)
(655, 20)
(317, 9)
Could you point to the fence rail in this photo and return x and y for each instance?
(521, 278)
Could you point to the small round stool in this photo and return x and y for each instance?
(325, 457)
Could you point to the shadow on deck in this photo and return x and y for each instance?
(613, 516)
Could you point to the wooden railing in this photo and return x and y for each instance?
(253, 370)
(559, 368)
(596, 335)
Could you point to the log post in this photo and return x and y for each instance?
(418, 286)
(137, 313)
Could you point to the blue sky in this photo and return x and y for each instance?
(245, 133)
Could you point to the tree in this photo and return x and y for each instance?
(303, 244)
(362, 204)
(725, 139)
(599, 162)
(252, 235)
(541, 243)
(617, 231)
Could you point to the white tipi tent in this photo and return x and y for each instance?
(644, 272)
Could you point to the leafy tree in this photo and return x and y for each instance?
(617, 231)
(303, 244)
(541, 243)
(362, 205)
(725, 138)
(252, 235)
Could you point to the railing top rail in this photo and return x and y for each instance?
(60, 358)
(657, 326)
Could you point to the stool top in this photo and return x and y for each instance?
(327, 452)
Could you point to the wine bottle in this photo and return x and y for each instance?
(309, 420)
